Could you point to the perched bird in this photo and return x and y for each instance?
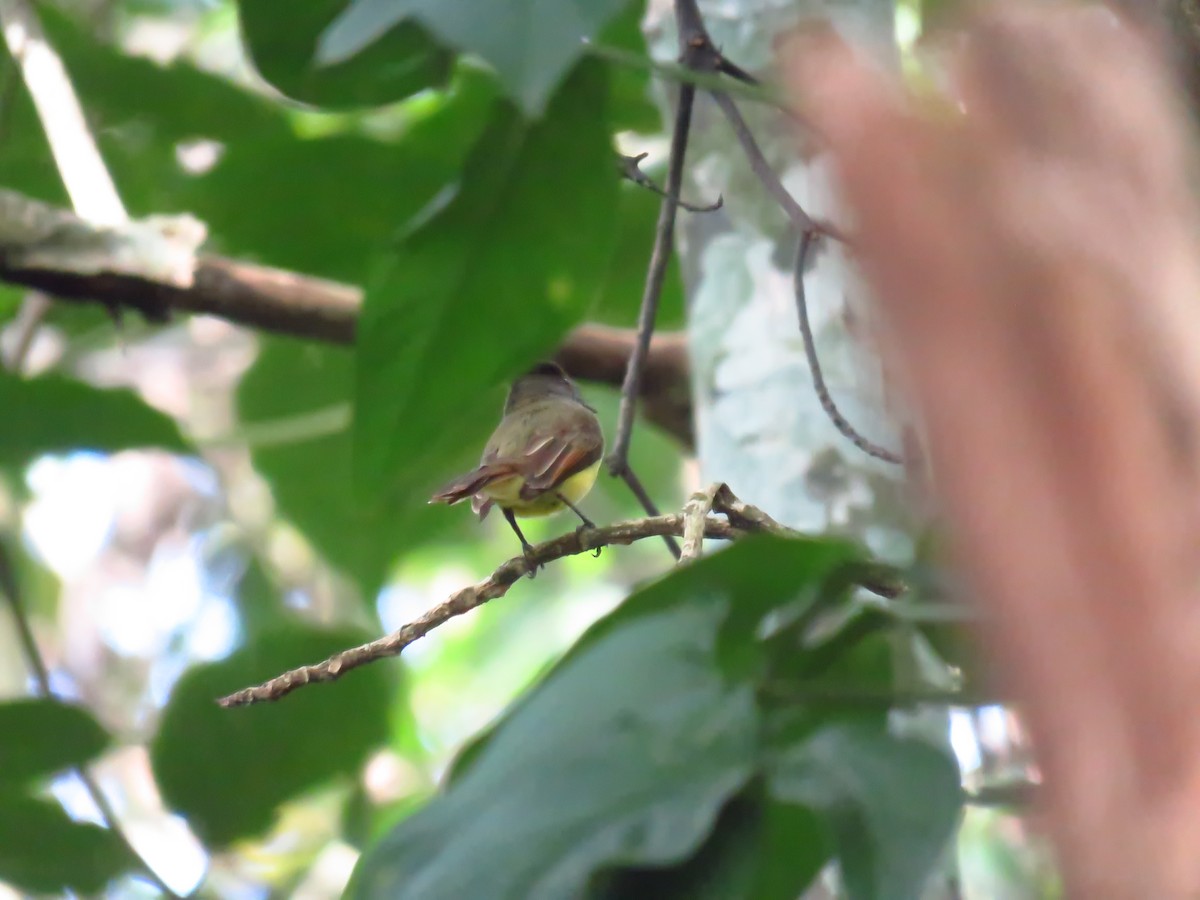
(543, 456)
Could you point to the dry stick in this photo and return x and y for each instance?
(630, 169)
(494, 586)
(740, 519)
(695, 515)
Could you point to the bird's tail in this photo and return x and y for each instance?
(472, 483)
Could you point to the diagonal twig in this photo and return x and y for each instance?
(810, 230)
(493, 587)
(660, 255)
(630, 169)
(840, 422)
(739, 519)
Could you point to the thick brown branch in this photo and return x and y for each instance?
(288, 303)
(258, 296)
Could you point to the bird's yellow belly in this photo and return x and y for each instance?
(507, 493)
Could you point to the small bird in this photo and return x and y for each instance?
(543, 456)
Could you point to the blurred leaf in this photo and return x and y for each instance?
(52, 414)
(630, 105)
(44, 852)
(228, 770)
(625, 754)
(357, 190)
(757, 851)
(493, 280)
(281, 37)
(721, 869)
(891, 803)
(621, 293)
(531, 45)
(310, 477)
(40, 737)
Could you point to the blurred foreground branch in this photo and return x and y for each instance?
(730, 518)
(1032, 243)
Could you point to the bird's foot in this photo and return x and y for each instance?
(585, 526)
(530, 560)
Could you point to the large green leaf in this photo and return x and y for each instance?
(626, 755)
(40, 737)
(837, 782)
(42, 851)
(494, 280)
(621, 293)
(295, 405)
(281, 36)
(890, 803)
(53, 414)
(531, 43)
(758, 851)
(228, 770)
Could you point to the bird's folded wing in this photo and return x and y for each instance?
(554, 460)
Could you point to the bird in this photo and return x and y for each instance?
(542, 458)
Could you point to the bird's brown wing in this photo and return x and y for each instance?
(555, 460)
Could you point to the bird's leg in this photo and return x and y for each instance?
(526, 548)
(585, 522)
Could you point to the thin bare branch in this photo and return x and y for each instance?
(660, 255)
(630, 169)
(759, 165)
(839, 421)
(494, 586)
(739, 519)
(639, 491)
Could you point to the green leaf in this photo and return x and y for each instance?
(44, 852)
(756, 575)
(53, 414)
(228, 770)
(40, 737)
(757, 851)
(891, 803)
(494, 280)
(625, 754)
(630, 105)
(621, 293)
(281, 37)
(358, 190)
(292, 403)
(531, 43)
(751, 578)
